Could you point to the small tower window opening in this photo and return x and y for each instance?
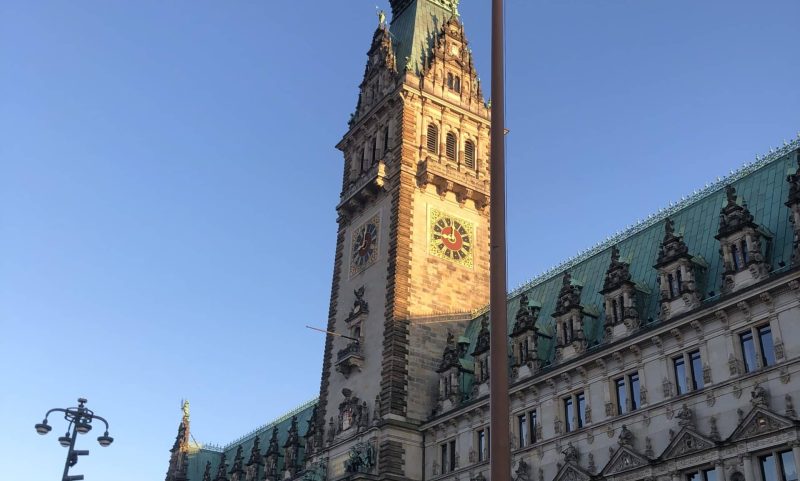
(363, 160)
(451, 147)
(374, 150)
(385, 140)
(735, 257)
(450, 81)
(745, 258)
(457, 84)
(433, 139)
(614, 310)
(621, 304)
(673, 286)
(469, 154)
(679, 281)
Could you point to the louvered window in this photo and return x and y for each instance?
(451, 146)
(469, 154)
(433, 139)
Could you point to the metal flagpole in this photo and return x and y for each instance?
(499, 442)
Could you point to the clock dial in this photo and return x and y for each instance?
(364, 245)
(451, 238)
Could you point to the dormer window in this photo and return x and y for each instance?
(680, 274)
(469, 154)
(744, 245)
(433, 139)
(451, 146)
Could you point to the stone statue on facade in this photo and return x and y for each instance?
(759, 397)
(685, 416)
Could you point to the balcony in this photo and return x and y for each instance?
(349, 358)
(363, 189)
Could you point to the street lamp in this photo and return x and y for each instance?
(80, 420)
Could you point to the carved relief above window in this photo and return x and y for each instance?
(744, 245)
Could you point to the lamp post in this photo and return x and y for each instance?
(80, 422)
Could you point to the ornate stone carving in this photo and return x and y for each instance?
(625, 436)
(291, 449)
(207, 472)
(592, 468)
(685, 416)
(570, 454)
(361, 458)
(790, 412)
(222, 469)
(712, 421)
(271, 457)
(759, 397)
(317, 471)
(522, 471)
(255, 460)
(353, 413)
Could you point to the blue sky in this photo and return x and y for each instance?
(168, 182)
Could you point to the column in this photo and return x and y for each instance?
(719, 470)
(795, 445)
(749, 474)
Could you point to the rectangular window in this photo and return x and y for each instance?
(697, 370)
(768, 468)
(385, 139)
(443, 459)
(622, 402)
(635, 395)
(709, 474)
(748, 351)
(788, 467)
(581, 410)
(767, 348)
(482, 445)
(680, 374)
(522, 427)
(569, 414)
(452, 455)
(693, 476)
(532, 426)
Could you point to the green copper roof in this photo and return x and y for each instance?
(762, 185)
(413, 29)
(197, 461)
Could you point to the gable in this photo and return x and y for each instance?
(625, 459)
(571, 472)
(760, 421)
(687, 441)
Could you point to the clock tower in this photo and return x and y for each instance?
(413, 239)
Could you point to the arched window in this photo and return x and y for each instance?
(457, 84)
(469, 154)
(433, 139)
(451, 146)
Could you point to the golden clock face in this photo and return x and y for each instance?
(451, 238)
(364, 245)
